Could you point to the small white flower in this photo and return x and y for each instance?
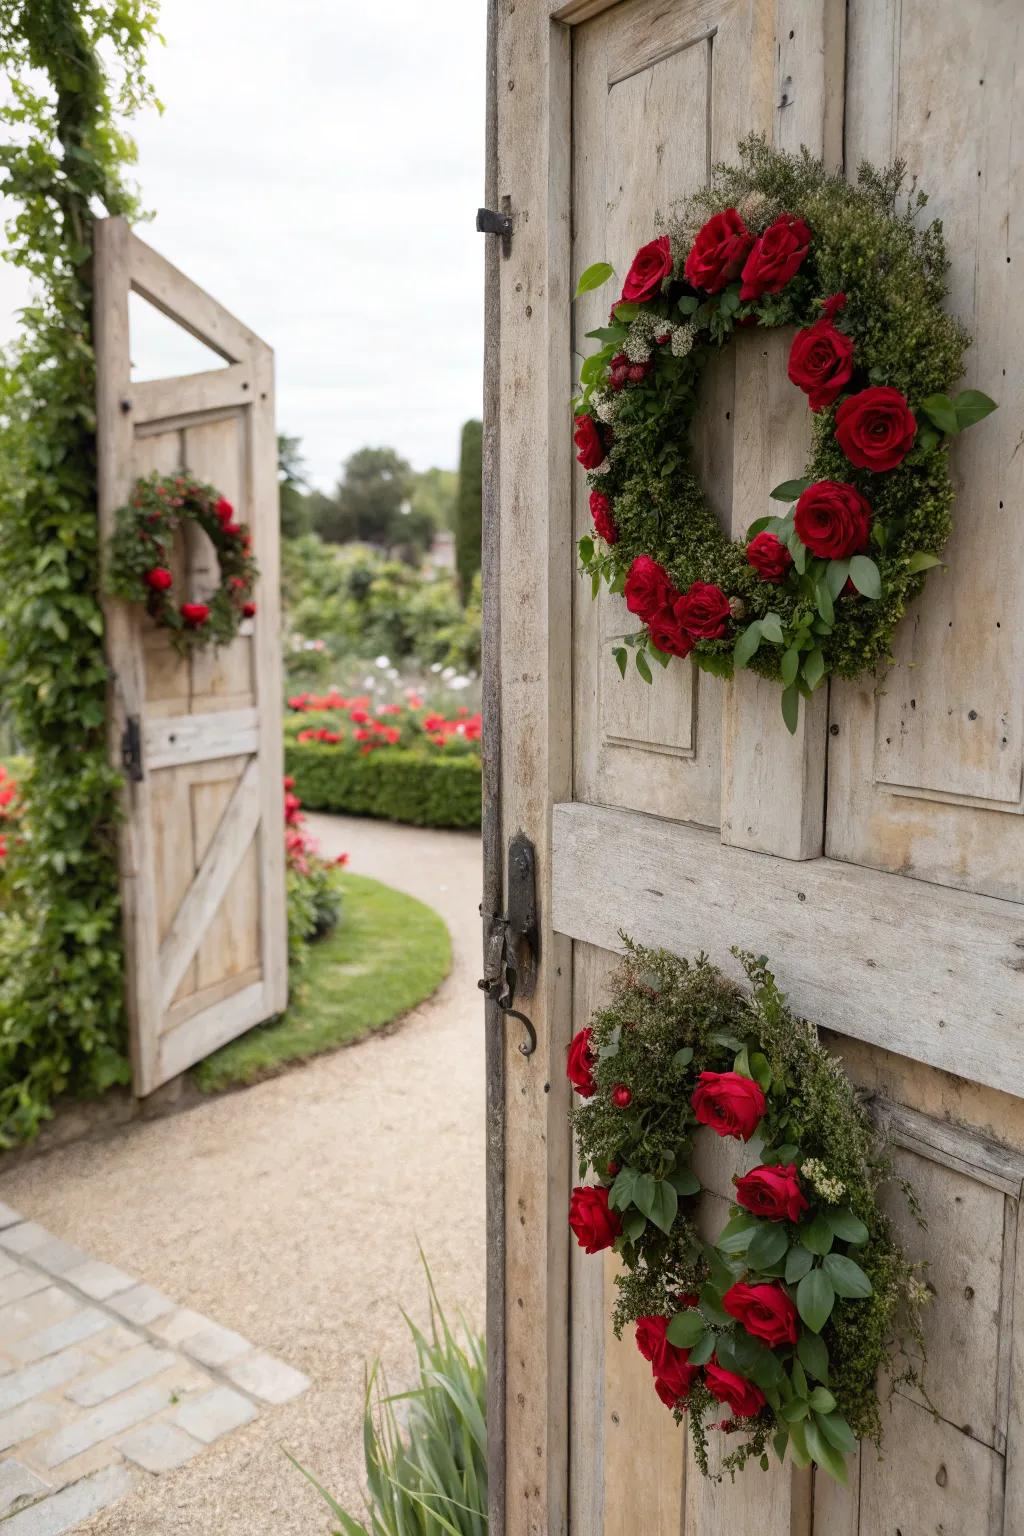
(393, 673)
(448, 673)
(606, 405)
(383, 661)
(459, 682)
(683, 339)
(370, 681)
(602, 468)
(435, 666)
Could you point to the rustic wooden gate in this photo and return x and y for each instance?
(202, 845)
(877, 857)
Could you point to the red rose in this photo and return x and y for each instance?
(718, 252)
(195, 613)
(224, 510)
(765, 1311)
(744, 1397)
(651, 265)
(233, 528)
(732, 1105)
(773, 1192)
(769, 557)
(674, 1375)
(622, 1098)
(875, 429)
(594, 1224)
(669, 635)
(651, 1340)
(589, 447)
(648, 589)
(821, 363)
(601, 512)
(580, 1066)
(249, 610)
(703, 611)
(159, 578)
(832, 520)
(776, 257)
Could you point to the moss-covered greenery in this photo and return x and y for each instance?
(394, 784)
(386, 955)
(866, 244)
(73, 73)
(669, 1020)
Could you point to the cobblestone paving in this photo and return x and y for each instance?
(104, 1382)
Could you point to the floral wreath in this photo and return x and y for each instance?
(786, 1317)
(140, 557)
(820, 588)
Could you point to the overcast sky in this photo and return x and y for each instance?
(317, 168)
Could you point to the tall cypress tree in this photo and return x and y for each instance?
(469, 506)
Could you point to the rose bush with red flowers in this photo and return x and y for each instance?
(794, 1299)
(767, 245)
(876, 428)
(833, 520)
(140, 560)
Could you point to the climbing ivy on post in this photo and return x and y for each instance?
(74, 75)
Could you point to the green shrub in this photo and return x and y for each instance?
(431, 1480)
(469, 506)
(396, 785)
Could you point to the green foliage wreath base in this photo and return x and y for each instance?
(894, 278)
(668, 1020)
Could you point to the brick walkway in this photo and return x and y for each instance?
(104, 1381)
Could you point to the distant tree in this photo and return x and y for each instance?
(326, 519)
(469, 506)
(292, 488)
(434, 495)
(373, 505)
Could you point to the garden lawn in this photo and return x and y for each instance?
(386, 955)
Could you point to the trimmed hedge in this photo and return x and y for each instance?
(392, 784)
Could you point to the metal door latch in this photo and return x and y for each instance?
(510, 960)
(490, 223)
(131, 749)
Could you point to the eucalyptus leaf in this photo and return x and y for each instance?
(971, 406)
(847, 1226)
(747, 643)
(767, 1246)
(685, 1329)
(704, 1348)
(771, 628)
(818, 1234)
(789, 665)
(837, 1432)
(942, 412)
(846, 1276)
(815, 1299)
(865, 576)
(643, 667)
(837, 574)
(798, 1261)
(814, 668)
(824, 1453)
(791, 708)
(922, 561)
(594, 276)
(813, 1355)
(789, 490)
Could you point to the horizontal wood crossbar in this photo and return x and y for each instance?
(191, 394)
(928, 972)
(205, 1032)
(170, 740)
(227, 847)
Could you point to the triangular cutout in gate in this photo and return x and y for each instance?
(162, 349)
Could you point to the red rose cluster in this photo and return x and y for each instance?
(676, 620)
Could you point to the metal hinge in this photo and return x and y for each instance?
(511, 955)
(131, 749)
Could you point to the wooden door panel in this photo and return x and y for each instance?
(926, 775)
(202, 844)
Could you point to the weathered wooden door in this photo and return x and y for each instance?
(877, 857)
(202, 844)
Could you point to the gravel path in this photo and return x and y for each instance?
(291, 1212)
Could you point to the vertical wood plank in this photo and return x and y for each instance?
(533, 103)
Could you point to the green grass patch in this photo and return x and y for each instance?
(387, 954)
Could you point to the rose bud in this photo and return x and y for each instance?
(159, 578)
(621, 1096)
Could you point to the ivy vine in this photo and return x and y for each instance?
(74, 70)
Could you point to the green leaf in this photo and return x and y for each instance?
(625, 310)
(760, 524)
(736, 1237)
(836, 575)
(710, 661)
(791, 708)
(798, 1261)
(747, 644)
(704, 1348)
(685, 1329)
(941, 410)
(586, 549)
(711, 1306)
(847, 1226)
(821, 1400)
(780, 1441)
(610, 333)
(922, 561)
(620, 659)
(682, 1058)
(796, 1409)
(826, 607)
(688, 305)
(658, 1201)
(643, 667)
(817, 1235)
(685, 1182)
(767, 1246)
(789, 490)
(800, 1380)
(789, 666)
(771, 628)
(815, 1299)
(971, 406)
(595, 276)
(633, 1224)
(621, 1194)
(846, 1276)
(761, 1071)
(741, 1064)
(865, 576)
(826, 1455)
(813, 1355)
(837, 1432)
(814, 668)
(801, 1455)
